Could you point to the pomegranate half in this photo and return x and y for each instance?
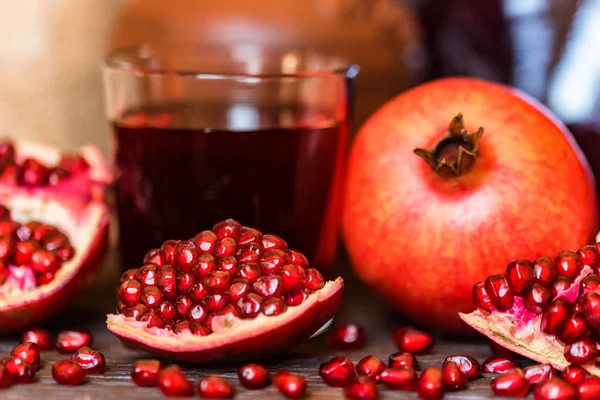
(53, 228)
(495, 177)
(228, 294)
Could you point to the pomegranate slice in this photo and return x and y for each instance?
(555, 321)
(53, 228)
(234, 306)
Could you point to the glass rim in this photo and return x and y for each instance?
(117, 60)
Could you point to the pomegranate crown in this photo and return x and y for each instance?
(455, 153)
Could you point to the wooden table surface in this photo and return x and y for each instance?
(359, 306)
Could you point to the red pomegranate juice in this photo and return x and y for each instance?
(174, 181)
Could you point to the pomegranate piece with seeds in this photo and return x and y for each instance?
(208, 299)
(38, 336)
(499, 364)
(512, 383)
(454, 378)
(401, 378)
(467, 365)
(346, 337)
(338, 372)
(28, 352)
(290, 385)
(400, 359)
(412, 340)
(253, 376)
(555, 389)
(92, 361)
(431, 384)
(19, 371)
(70, 340)
(589, 389)
(362, 388)
(68, 372)
(172, 382)
(557, 328)
(145, 372)
(370, 366)
(215, 387)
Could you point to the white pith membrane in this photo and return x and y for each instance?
(81, 225)
(227, 329)
(519, 330)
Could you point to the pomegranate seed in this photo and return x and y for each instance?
(204, 265)
(249, 305)
(70, 340)
(273, 306)
(172, 382)
(555, 389)
(537, 298)
(182, 326)
(581, 352)
(130, 292)
(297, 297)
(370, 366)
(290, 385)
(568, 263)
(74, 163)
(4, 377)
(273, 242)
(24, 231)
(136, 311)
(196, 313)
(272, 261)
(43, 231)
(237, 289)
(44, 279)
(250, 272)
(561, 285)
(590, 303)
(412, 340)
(589, 389)
(512, 383)
(574, 328)
(8, 229)
(167, 251)
(268, 286)
(145, 372)
(293, 277)
(228, 309)
(147, 275)
(225, 247)
(555, 317)
(33, 173)
(153, 257)
(152, 318)
(43, 261)
(68, 372)
(11, 174)
(28, 352)
(167, 310)
(215, 387)
(402, 378)
(589, 284)
(151, 296)
(7, 150)
(250, 252)
(499, 364)
(227, 228)
(590, 256)
(199, 330)
(227, 264)
(128, 275)
(574, 374)
(19, 371)
(253, 376)
(23, 252)
(398, 360)
(213, 302)
(499, 291)
(314, 279)
(539, 373)
(197, 291)
(454, 379)
(92, 361)
(166, 280)
(184, 256)
(544, 271)
(362, 388)
(182, 304)
(298, 258)
(65, 253)
(481, 299)
(519, 275)
(184, 281)
(205, 242)
(337, 372)
(39, 336)
(431, 384)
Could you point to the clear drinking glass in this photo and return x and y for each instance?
(204, 134)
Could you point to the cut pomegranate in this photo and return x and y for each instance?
(253, 376)
(431, 384)
(53, 233)
(454, 378)
(370, 366)
(558, 329)
(467, 365)
(589, 389)
(68, 372)
(39, 336)
(19, 371)
(512, 383)
(346, 337)
(290, 385)
(499, 364)
(215, 387)
(172, 382)
(401, 378)
(338, 372)
(71, 340)
(145, 372)
(28, 352)
(555, 389)
(400, 359)
(540, 373)
(248, 309)
(92, 361)
(412, 340)
(362, 388)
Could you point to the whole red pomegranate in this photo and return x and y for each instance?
(431, 208)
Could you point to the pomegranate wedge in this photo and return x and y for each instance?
(547, 310)
(53, 228)
(228, 294)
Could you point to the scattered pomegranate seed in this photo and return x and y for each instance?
(454, 378)
(499, 364)
(467, 365)
(4, 377)
(19, 371)
(589, 388)
(337, 372)
(215, 387)
(555, 389)
(70, 340)
(92, 361)
(68, 372)
(401, 359)
(412, 340)
(145, 372)
(172, 382)
(362, 388)
(253, 376)
(28, 352)
(540, 373)
(512, 383)
(370, 366)
(401, 378)
(290, 385)
(431, 384)
(574, 374)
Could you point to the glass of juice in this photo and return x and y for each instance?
(204, 134)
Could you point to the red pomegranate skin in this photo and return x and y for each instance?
(420, 239)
